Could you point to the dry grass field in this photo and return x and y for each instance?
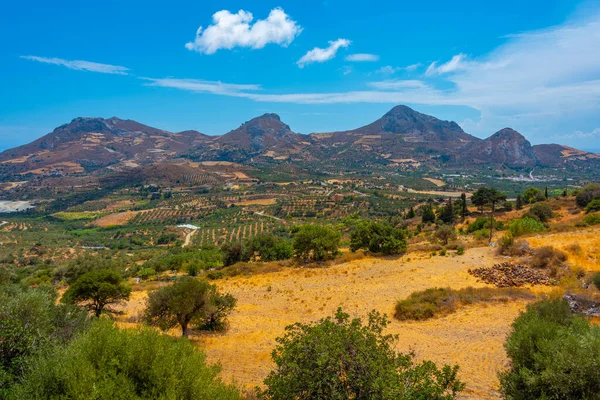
(472, 337)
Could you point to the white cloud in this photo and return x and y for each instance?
(389, 70)
(321, 55)
(81, 65)
(235, 30)
(202, 86)
(457, 63)
(580, 135)
(394, 84)
(362, 57)
(412, 67)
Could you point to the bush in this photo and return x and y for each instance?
(548, 257)
(377, 238)
(533, 195)
(592, 206)
(108, 363)
(315, 242)
(439, 301)
(482, 234)
(596, 280)
(146, 273)
(588, 194)
(543, 211)
(443, 252)
(524, 226)
(479, 224)
(267, 247)
(339, 358)
(31, 322)
(593, 219)
(554, 355)
(460, 251)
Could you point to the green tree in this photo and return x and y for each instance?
(488, 196)
(377, 238)
(96, 290)
(446, 213)
(519, 203)
(554, 355)
(464, 210)
(428, 214)
(564, 193)
(533, 195)
(315, 242)
(106, 362)
(543, 211)
(233, 252)
(445, 233)
(546, 192)
(268, 247)
(31, 322)
(411, 213)
(340, 358)
(185, 302)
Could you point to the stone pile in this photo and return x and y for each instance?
(507, 274)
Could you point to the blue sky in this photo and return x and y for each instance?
(322, 65)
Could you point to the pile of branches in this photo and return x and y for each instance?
(511, 275)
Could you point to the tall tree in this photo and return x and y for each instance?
(446, 213)
(519, 204)
(96, 290)
(488, 196)
(411, 213)
(463, 209)
(428, 214)
(187, 301)
(546, 193)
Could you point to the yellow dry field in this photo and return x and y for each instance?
(472, 337)
(582, 246)
(436, 182)
(260, 202)
(117, 219)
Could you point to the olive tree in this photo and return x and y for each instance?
(188, 301)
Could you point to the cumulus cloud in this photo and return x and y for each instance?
(81, 65)
(457, 63)
(320, 55)
(362, 57)
(236, 30)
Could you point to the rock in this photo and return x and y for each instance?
(582, 305)
(511, 275)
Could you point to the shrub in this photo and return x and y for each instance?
(592, 206)
(340, 358)
(188, 301)
(439, 301)
(543, 211)
(267, 247)
(233, 252)
(108, 363)
(596, 280)
(479, 224)
(554, 355)
(523, 226)
(506, 242)
(460, 251)
(592, 219)
(548, 257)
(481, 234)
(588, 194)
(533, 195)
(443, 252)
(146, 273)
(316, 243)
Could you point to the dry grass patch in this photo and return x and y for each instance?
(434, 302)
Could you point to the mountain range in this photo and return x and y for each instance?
(402, 138)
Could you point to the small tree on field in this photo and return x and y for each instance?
(340, 358)
(315, 242)
(488, 196)
(411, 213)
(188, 301)
(428, 214)
(519, 203)
(463, 207)
(377, 238)
(96, 290)
(446, 213)
(445, 233)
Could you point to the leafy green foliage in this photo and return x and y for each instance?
(181, 258)
(592, 219)
(188, 301)
(97, 289)
(542, 211)
(377, 238)
(588, 194)
(108, 363)
(267, 247)
(533, 195)
(554, 355)
(428, 214)
(340, 358)
(479, 224)
(446, 213)
(487, 196)
(146, 273)
(315, 242)
(524, 226)
(30, 322)
(596, 280)
(593, 206)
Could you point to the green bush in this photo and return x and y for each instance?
(445, 233)
(554, 355)
(377, 238)
(443, 252)
(108, 363)
(481, 234)
(596, 280)
(267, 247)
(588, 194)
(146, 273)
(524, 226)
(479, 224)
(460, 251)
(592, 219)
(592, 206)
(533, 195)
(542, 211)
(340, 358)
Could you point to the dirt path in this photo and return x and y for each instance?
(188, 238)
